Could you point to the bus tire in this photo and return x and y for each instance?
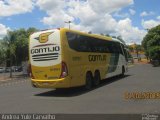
(123, 71)
(97, 78)
(89, 78)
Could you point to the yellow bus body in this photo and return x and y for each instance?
(78, 63)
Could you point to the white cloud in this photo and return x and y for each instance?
(123, 28)
(106, 24)
(124, 15)
(148, 24)
(56, 13)
(13, 7)
(80, 27)
(158, 17)
(92, 16)
(132, 12)
(3, 30)
(144, 13)
(50, 6)
(86, 11)
(57, 19)
(130, 33)
(109, 6)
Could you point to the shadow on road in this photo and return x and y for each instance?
(71, 92)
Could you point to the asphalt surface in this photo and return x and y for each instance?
(18, 96)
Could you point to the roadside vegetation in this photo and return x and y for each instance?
(151, 44)
(14, 46)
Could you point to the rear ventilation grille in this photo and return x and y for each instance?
(45, 57)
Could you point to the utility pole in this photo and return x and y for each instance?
(68, 22)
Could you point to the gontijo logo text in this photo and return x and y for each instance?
(48, 49)
(45, 52)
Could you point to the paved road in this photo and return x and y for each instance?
(19, 97)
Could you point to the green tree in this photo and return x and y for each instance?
(151, 43)
(154, 53)
(8, 42)
(3, 52)
(131, 49)
(138, 48)
(16, 44)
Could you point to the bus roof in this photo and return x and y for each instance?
(95, 35)
(87, 34)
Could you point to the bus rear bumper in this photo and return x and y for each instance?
(56, 83)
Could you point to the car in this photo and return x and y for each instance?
(18, 68)
(155, 63)
(2, 69)
(8, 69)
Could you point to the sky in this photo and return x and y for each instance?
(129, 19)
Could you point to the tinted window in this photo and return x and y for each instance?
(124, 52)
(84, 43)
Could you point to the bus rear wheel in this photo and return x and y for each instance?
(123, 71)
(88, 81)
(97, 78)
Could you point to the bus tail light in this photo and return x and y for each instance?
(64, 71)
(30, 71)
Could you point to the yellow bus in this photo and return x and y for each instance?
(64, 58)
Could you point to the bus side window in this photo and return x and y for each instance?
(82, 43)
(124, 52)
(71, 37)
(120, 49)
(110, 47)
